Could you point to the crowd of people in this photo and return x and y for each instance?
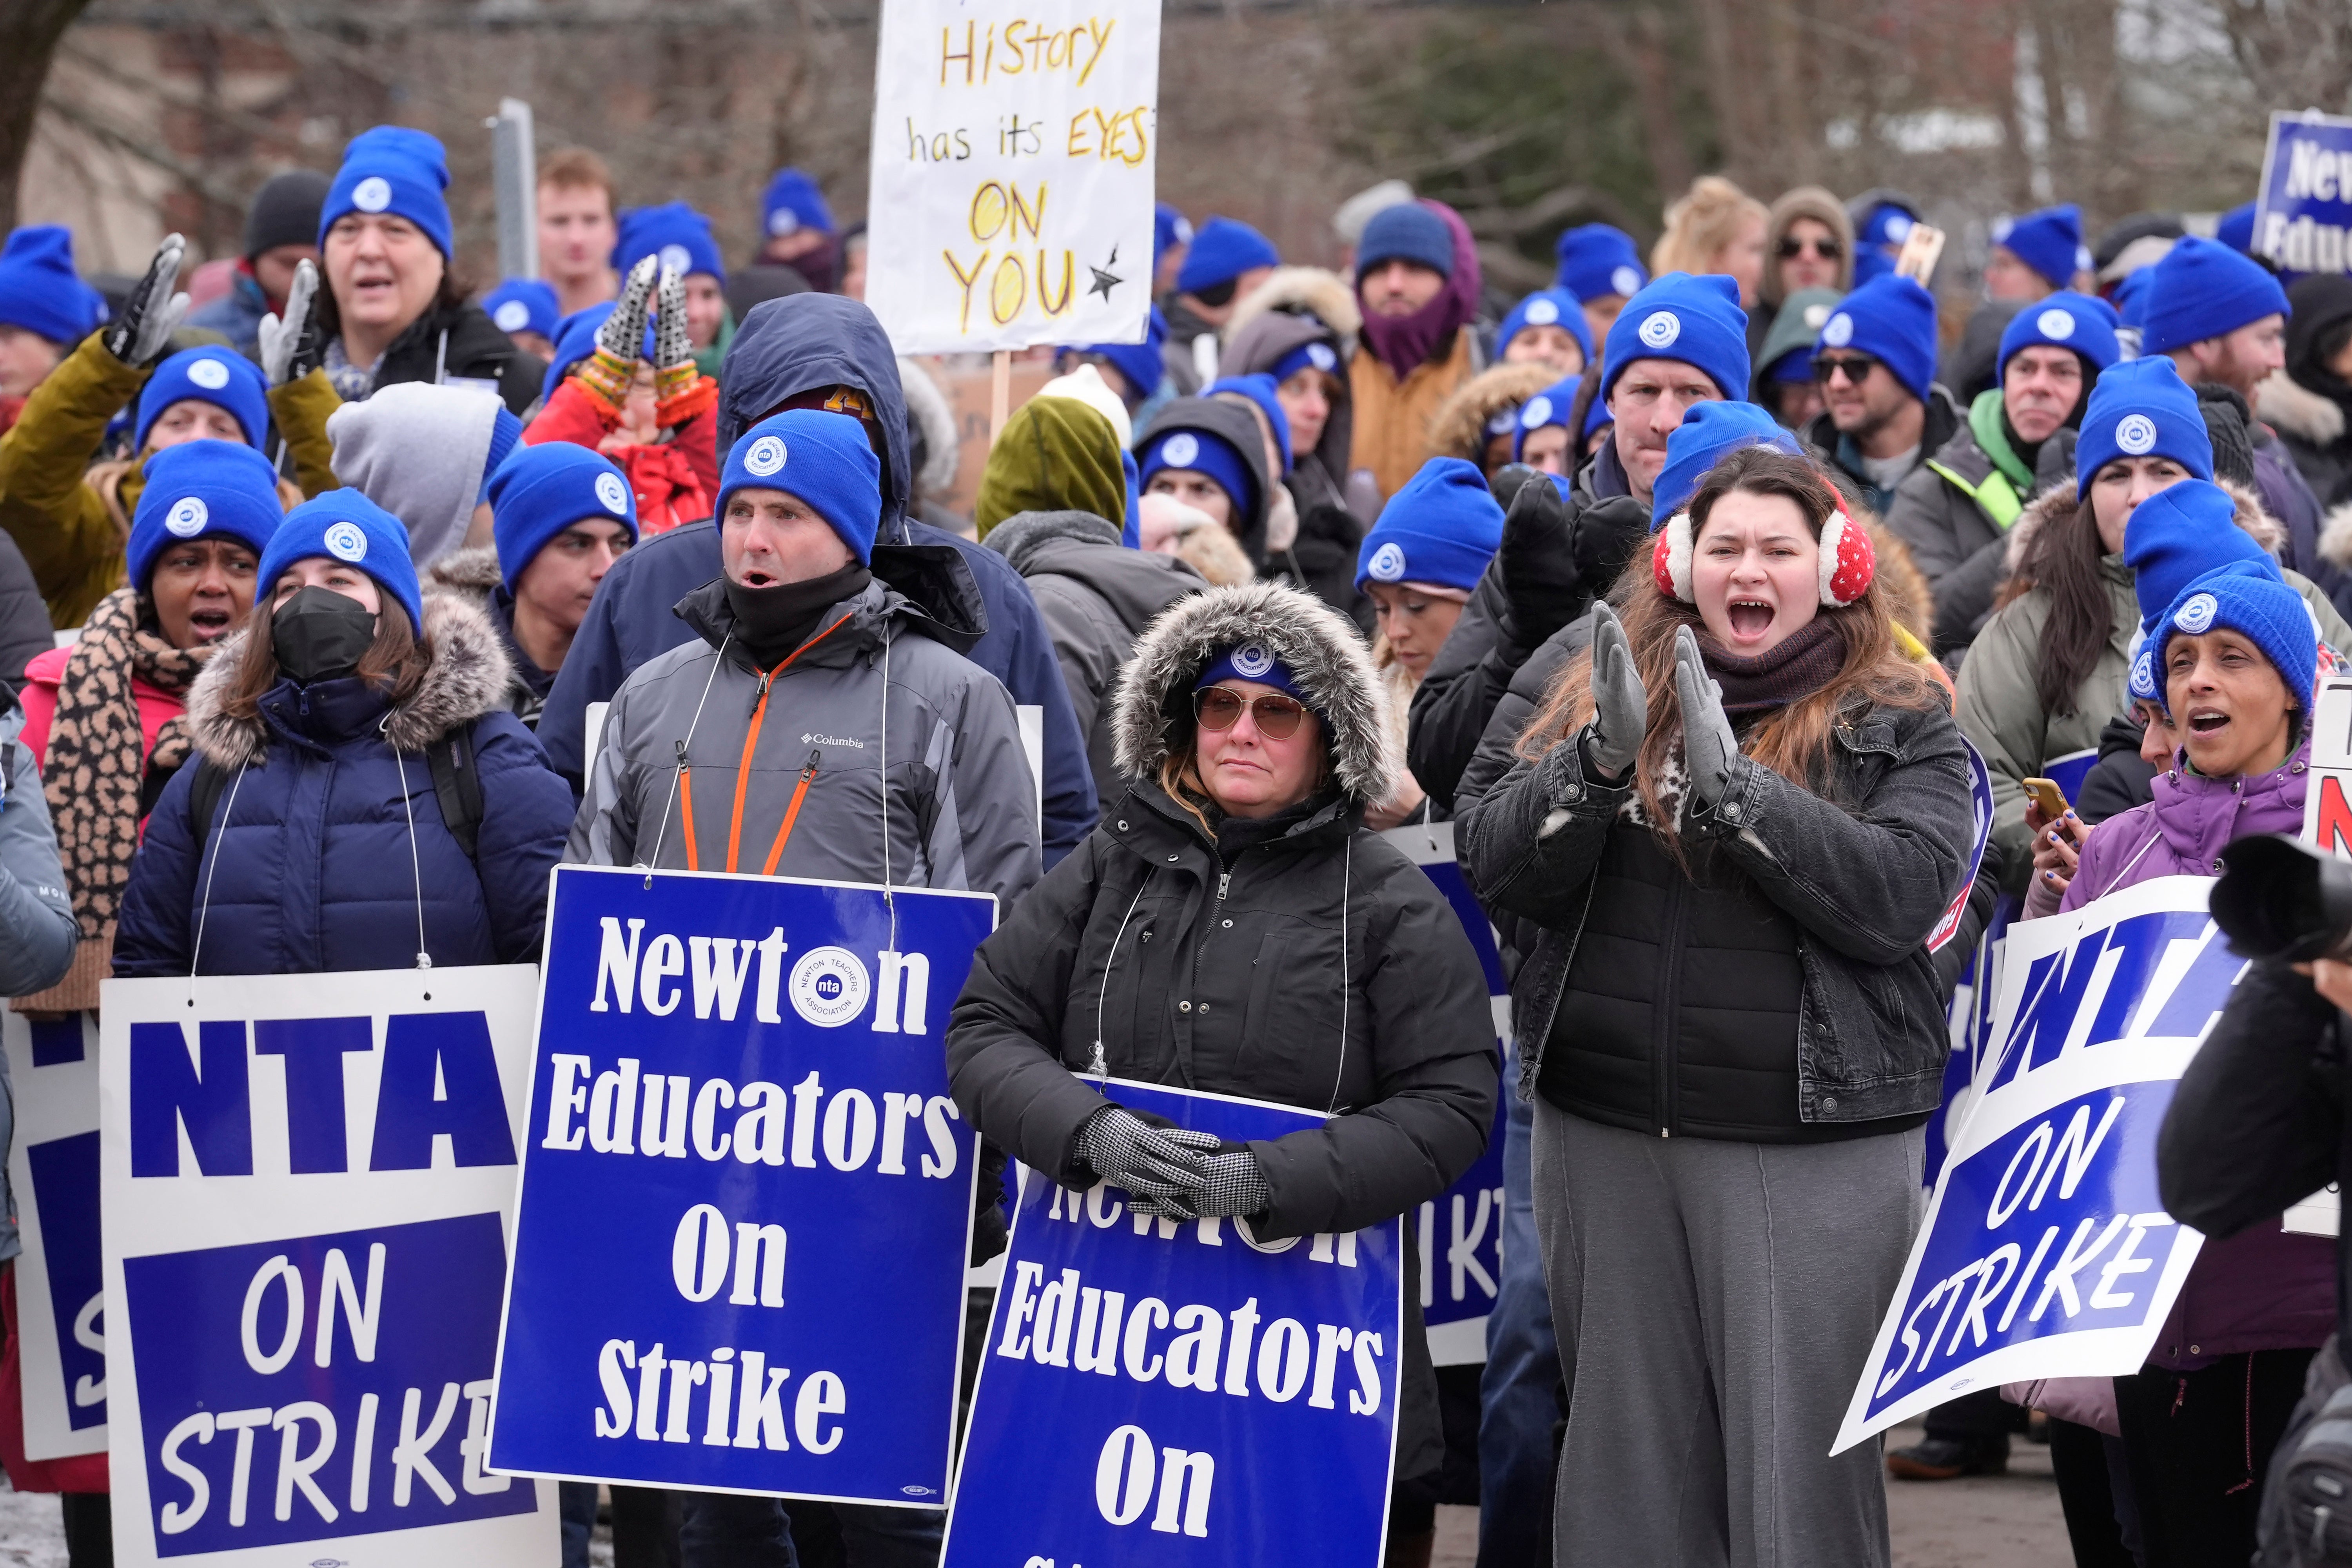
(1689, 581)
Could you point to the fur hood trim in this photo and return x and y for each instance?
(928, 410)
(1909, 599)
(1321, 293)
(468, 677)
(2335, 535)
(472, 572)
(1321, 647)
(1458, 428)
(1212, 551)
(2287, 406)
(2059, 501)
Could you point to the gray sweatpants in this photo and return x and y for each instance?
(1715, 1303)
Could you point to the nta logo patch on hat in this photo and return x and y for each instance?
(1538, 412)
(1839, 330)
(1543, 313)
(613, 494)
(765, 458)
(188, 519)
(1251, 660)
(511, 317)
(1626, 281)
(1181, 451)
(1660, 328)
(2197, 614)
(345, 541)
(209, 374)
(2055, 323)
(1815, 315)
(1387, 565)
(677, 258)
(1321, 357)
(2135, 434)
(372, 194)
(1898, 229)
(783, 221)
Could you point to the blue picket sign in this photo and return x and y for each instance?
(2304, 213)
(1179, 1392)
(745, 1197)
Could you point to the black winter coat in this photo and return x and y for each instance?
(462, 343)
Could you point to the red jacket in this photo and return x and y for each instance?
(675, 480)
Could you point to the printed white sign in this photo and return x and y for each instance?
(53, 1174)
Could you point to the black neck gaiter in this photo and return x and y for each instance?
(772, 623)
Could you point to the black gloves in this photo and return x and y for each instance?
(1542, 588)
(1606, 535)
(143, 333)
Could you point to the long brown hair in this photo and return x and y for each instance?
(395, 662)
(1793, 741)
(2061, 555)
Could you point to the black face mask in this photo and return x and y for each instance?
(321, 634)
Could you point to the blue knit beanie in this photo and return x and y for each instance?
(1695, 320)
(1405, 231)
(2177, 536)
(673, 231)
(2064, 321)
(2050, 241)
(1440, 528)
(1549, 407)
(2236, 229)
(1710, 433)
(2202, 289)
(523, 305)
(1889, 223)
(821, 457)
(1202, 452)
(393, 169)
(506, 433)
(2257, 603)
(203, 490)
(2130, 299)
(2141, 408)
(1222, 249)
(1253, 661)
(1259, 389)
(344, 525)
(539, 491)
(792, 203)
(1597, 260)
(1168, 227)
(1546, 308)
(221, 377)
(1138, 364)
(39, 289)
(1314, 354)
(1894, 319)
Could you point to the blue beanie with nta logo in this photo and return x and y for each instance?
(1710, 433)
(542, 490)
(674, 232)
(2255, 602)
(2049, 241)
(1552, 405)
(1202, 452)
(2141, 408)
(1597, 259)
(39, 289)
(221, 377)
(2064, 321)
(1892, 318)
(1222, 249)
(794, 202)
(1695, 320)
(524, 305)
(1546, 308)
(344, 525)
(203, 490)
(824, 459)
(1440, 528)
(2202, 288)
(393, 169)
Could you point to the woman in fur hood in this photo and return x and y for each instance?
(1251, 939)
(315, 833)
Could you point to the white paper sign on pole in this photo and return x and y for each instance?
(53, 1174)
(309, 1191)
(1012, 194)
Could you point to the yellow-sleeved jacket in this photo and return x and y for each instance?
(71, 517)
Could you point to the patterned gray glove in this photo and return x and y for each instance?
(611, 369)
(1234, 1185)
(1157, 1164)
(290, 343)
(1709, 746)
(672, 346)
(143, 333)
(1620, 706)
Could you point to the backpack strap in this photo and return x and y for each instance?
(457, 784)
(204, 798)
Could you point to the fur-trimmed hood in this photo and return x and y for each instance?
(2058, 501)
(932, 424)
(1458, 428)
(1908, 597)
(472, 573)
(1318, 645)
(1323, 294)
(468, 677)
(2293, 409)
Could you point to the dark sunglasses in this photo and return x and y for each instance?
(1220, 708)
(1857, 368)
(1827, 249)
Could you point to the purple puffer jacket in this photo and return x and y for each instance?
(2262, 1290)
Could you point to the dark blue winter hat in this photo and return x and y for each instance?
(673, 231)
(203, 490)
(821, 457)
(1597, 260)
(1253, 661)
(2236, 229)
(1314, 354)
(2141, 408)
(524, 305)
(1222, 249)
(221, 377)
(2202, 289)
(344, 525)
(1169, 227)
(1440, 528)
(2177, 536)
(1710, 433)
(1546, 308)
(792, 202)
(1203, 452)
(1549, 407)
(1695, 320)
(1892, 318)
(393, 169)
(1259, 389)
(2255, 602)
(2050, 241)
(506, 434)
(2131, 296)
(1406, 232)
(539, 491)
(1138, 364)
(1889, 223)
(39, 289)
(2064, 321)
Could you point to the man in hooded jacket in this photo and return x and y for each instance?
(820, 350)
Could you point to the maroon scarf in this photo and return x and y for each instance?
(1404, 342)
(1797, 666)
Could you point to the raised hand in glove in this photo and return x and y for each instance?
(1604, 537)
(1709, 746)
(143, 333)
(680, 389)
(609, 370)
(1161, 1165)
(290, 343)
(1620, 706)
(1541, 591)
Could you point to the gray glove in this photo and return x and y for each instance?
(1709, 746)
(1621, 707)
(1234, 1185)
(672, 346)
(143, 333)
(1159, 1164)
(289, 342)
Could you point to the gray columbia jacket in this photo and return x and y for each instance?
(710, 763)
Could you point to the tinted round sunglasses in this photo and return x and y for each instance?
(1220, 708)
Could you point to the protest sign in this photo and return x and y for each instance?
(2046, 1251)
(746, 1196)
(1460, 1233)
(303, 1260)
(2326, 808)
(1164, 1391)
(1012, 191)
(2305, 207)
(53, 1174)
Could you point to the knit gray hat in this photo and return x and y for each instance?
(285, 211)
(420, 452)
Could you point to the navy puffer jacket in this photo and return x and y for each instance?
(309, 857)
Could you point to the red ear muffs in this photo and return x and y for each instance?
(1670, 561)
(1848, 561)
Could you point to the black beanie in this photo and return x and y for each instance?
(285, 211)
(2226, 415)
